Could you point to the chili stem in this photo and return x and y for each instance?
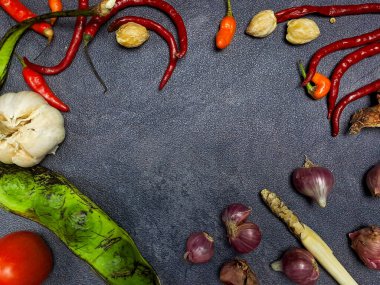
(309, 87)
(229, 8)
(93, 68)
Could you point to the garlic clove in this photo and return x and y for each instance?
(301, 31)
(262, 24)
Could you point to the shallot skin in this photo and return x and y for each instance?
(373, 180)
(366, 243)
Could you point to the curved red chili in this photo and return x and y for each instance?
(357, 94)
(37, 83)
(20, 12)
(164, 33)
(331, 11)
(71, 50)
(96, 22)
(343, 66)
(339, 45)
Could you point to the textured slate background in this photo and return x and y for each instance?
(228, 124)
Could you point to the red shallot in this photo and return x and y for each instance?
(199, 248)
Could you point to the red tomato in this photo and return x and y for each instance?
(25, 259)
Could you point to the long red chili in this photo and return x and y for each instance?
(357, 94)
(37, 83)
(72, 50)
(343, 66)
(339, 45)
(96, 22)
(164, 33)
(20, 12)
(331, 11)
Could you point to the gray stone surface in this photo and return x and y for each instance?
(228, 124)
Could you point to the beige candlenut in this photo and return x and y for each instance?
(302, 31)
(262, 24)
(29, 128)
(131, 35)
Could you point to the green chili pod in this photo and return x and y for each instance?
(48, 198)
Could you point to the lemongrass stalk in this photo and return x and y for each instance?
(310, 239)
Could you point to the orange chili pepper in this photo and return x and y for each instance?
(322, 84)
(227, 29)
(55, 6)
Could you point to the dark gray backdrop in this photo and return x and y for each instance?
(228, 124)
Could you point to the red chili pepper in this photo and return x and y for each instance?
(331, 11)
(164, 33)
(96, 22)
(339, 45)
(322, 84)
(348, 61)
(37, 83)
(71, 51)
(20, 12)
(227, 29)
(357, 94)
(55, 6)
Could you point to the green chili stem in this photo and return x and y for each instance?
(229, 8)
(310, 88)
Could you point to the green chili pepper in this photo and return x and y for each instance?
(9, 41)
(48, 198)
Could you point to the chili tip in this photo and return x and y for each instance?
(49, 34)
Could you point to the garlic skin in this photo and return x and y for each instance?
(302, 31)
(29, 128)
(262, 24)
(366, 243)
(131, 35)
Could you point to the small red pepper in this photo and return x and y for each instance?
(346, 43)
(37, 83)
(322, 84)
(20, 12)
(55, 6)
(227, 29)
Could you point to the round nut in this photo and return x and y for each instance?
(131, 35)
(302, 31)
(262, 24)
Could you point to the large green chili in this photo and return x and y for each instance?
(48, 198)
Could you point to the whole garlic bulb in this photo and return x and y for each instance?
(302, 31)
(262, 24)
(131, 35)
(29, 128)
